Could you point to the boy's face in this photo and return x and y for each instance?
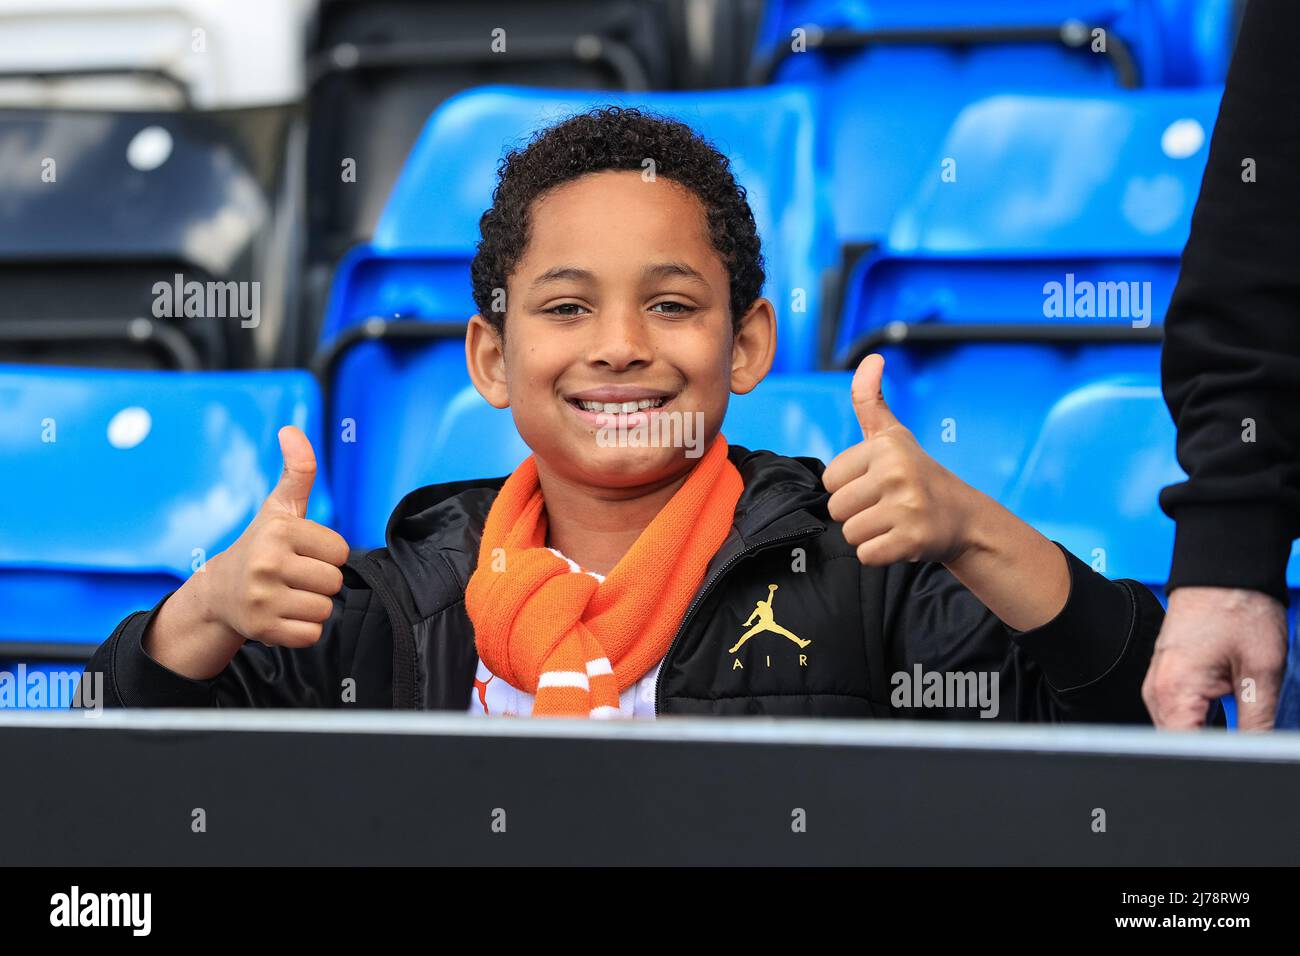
(619, 298)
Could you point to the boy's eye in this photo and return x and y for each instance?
(672, 308)
(663, 308)
(565, 308)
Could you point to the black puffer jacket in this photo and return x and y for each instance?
(400, 637)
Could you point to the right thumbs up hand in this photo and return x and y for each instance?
(275, 583)
(896, 503)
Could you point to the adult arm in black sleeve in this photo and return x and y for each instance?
(1085, 665)
(1231, 360)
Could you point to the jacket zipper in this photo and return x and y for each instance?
(400, 627)
(708, 585)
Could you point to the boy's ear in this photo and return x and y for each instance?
(485, 359)
(754, 347)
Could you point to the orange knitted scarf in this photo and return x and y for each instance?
(574, 642)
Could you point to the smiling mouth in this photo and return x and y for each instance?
(619, 408)
(629, 414)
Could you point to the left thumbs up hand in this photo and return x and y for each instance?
(895, 501)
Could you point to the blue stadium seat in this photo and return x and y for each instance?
(392, 339)
(809, 414)
(471, 439)
(386, 398)
(977, 409)
(1174, 43)
(892, 76)
(118, 482)
(1094, 194)
(1197, 37)
(1071, 190)
(1093, 476)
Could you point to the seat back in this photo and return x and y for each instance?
(1056, 209)
(1044, 263)
(1093, 476)
(120, 484)
(892, 77)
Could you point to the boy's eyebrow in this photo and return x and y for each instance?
(664, 270)
(561, 273)
(659, 270)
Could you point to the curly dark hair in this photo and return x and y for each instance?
(615, 138)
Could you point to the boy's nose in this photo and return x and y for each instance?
(621, 339)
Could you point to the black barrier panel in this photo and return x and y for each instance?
(317, 788)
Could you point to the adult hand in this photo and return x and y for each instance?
(1214, 642)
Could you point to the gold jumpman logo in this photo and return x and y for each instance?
(766, 622)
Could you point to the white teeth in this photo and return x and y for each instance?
(621, 408)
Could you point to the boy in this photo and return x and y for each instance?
(600, 580)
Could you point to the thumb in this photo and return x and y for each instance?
(294, 487)
(868, 400)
